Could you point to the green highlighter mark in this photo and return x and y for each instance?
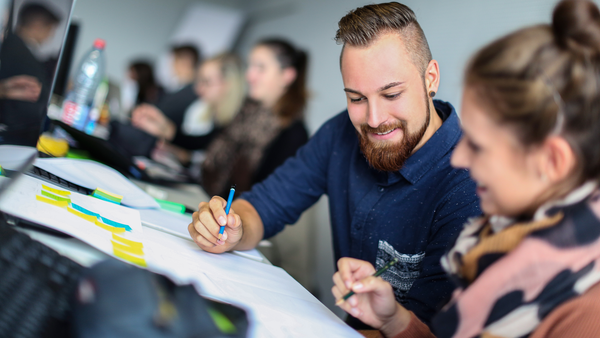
(223, 323)
(56, 197)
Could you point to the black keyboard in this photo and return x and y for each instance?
(36, 286)
(49, 177)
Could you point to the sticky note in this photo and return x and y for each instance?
(127, 242)
(129, 257)
(56, 191)
(115, 224)
(130, 249)
(171, 206)
(107, 196)
(109, 228)
(56, 197)
(86, 217)
(84, 210)
(60, 204)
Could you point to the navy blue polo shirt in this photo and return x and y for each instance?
(413, 214)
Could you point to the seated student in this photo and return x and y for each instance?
(172, 105)
(139, 86)
(530, 266)
(269, 127)
(220, 84)
(384, 164)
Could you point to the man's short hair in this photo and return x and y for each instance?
(188, 51)
(30, 12)
(362, 26)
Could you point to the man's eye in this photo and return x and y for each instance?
(357, 100)
(392, 96)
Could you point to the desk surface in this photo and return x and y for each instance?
(277, 305)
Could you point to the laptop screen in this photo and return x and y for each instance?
(32, 40)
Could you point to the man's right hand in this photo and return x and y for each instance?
(207, 221)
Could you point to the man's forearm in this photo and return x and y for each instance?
(251, 223)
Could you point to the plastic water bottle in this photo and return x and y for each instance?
(78, 108)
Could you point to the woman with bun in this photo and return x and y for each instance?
(530, 266)
(269, 127)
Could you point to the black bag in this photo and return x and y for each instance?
(115, 300)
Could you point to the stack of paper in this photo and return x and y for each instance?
(110, 228)
(93, 175)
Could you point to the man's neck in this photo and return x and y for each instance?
(435, 123)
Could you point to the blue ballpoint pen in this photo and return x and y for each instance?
(229, 200)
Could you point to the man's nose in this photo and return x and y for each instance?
(377, 115)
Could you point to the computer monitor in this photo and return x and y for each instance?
(32, 41)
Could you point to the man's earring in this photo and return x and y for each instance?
(431, 93)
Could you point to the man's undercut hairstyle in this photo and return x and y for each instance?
(362, 26)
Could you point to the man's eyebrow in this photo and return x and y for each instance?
(389, 85)
(348, 90)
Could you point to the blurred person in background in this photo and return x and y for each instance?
(221, 86)
(269, 128)
(530, 266)
(139, 86)
(186, 59)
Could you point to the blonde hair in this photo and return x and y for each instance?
(233, 75)
(544, 80)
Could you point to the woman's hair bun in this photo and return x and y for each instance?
(576, 26)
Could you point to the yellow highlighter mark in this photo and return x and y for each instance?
(129, 257)
(86, 217)
(110, 228)
(56, 191)
(130, 249)
(60, 204)
(127, 242)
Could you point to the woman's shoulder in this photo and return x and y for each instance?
(578, 317)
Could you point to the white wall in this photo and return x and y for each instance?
(131, 28)
(455, 30)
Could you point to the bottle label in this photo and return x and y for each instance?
(74, 114)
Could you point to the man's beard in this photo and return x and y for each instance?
(387, 156)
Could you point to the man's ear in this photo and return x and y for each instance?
(432, 77)
(289, 75)
(558, 159)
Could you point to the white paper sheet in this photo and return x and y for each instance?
(92, 175)
(177, 224)
(277, 304)
(19, 200)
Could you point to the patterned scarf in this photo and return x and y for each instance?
(512, 274)
(236, 153)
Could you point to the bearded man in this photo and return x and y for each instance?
(384, 164)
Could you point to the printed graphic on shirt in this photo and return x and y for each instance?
(404, 273)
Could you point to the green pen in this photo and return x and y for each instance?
(376, 274)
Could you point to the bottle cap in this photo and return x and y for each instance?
(99, 44)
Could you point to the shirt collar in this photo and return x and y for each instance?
(429, 155)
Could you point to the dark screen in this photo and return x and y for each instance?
(33, 36)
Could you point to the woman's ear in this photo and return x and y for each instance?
(289, 75)
(558, 159)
